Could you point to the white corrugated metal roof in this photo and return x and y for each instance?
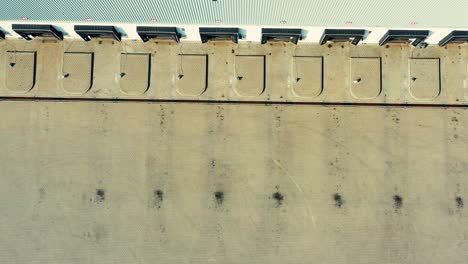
(372, 13)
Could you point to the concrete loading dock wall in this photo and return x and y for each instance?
(229, 181)
(334, 73)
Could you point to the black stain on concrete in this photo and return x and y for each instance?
(338, 200)
(158, 197)
(397, 201)
(162, 117)
(279, 197)
(219, 197)
(100, 195)
(219, 113)
(459, 202)
(42, 194)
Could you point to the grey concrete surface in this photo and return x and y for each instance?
(129, 182)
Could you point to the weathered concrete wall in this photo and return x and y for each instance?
(129, 182)
(339, 72)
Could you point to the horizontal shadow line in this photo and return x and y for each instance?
(124, 100)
